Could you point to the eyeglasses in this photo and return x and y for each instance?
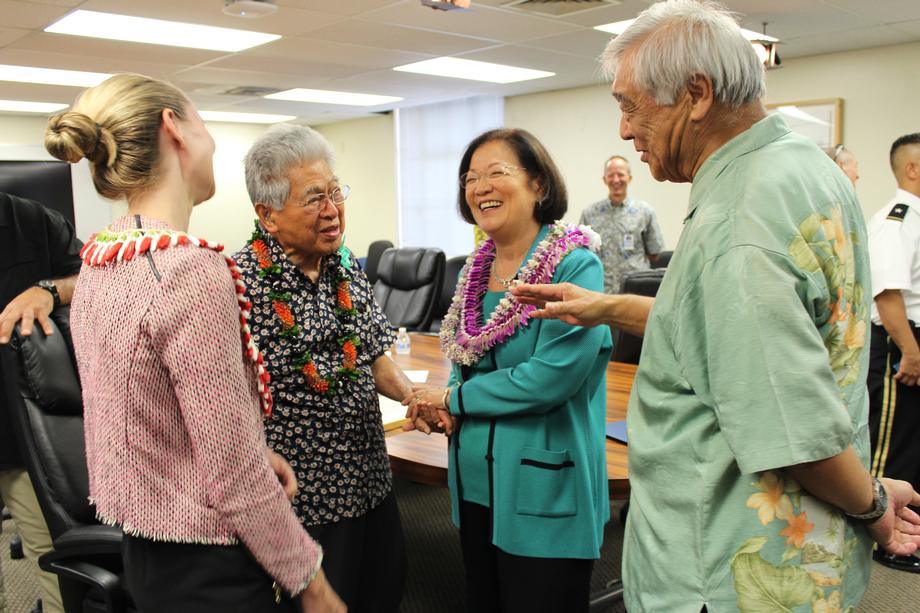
(837, 151)
(317, 202)
(469, 180)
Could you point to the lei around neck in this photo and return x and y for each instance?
(288, 328)
(110, 247)
(464, 338)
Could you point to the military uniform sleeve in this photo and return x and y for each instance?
(891, 255)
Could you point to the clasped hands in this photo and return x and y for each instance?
(426, 410)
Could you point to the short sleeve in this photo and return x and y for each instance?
(63, 246)
(376, 333)
(891, 254)
(654, 242)
(760, 360)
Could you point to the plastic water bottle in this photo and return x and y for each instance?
(402, 342)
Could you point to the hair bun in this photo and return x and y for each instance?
(72, 136)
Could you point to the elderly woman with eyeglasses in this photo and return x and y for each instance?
(526, 404)
(324, 340)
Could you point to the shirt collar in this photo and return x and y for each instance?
(626, 202)
(762, 133)
(905, 197)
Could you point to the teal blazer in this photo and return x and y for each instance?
(542, 397)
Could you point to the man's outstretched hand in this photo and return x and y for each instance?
(564, 301)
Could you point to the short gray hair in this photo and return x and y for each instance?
(268, 161)
(676, 39)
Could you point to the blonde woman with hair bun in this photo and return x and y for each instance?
(173, 385)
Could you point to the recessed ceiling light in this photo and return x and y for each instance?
(158, 31)
(322, 96)
(473, 70)
(618, 27)
(22, 106)
(51, 76)
(235, 117)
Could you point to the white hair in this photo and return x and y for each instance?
(268, 161)
(674, 40)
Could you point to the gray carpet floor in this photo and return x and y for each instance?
(435, 583)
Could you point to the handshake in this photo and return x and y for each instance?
(428, 410)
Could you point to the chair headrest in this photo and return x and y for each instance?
(409, 267)
(48, 375)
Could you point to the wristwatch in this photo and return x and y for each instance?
(49, 285)
(879, 505)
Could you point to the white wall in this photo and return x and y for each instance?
(366, 160)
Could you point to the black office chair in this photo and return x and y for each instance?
(663, 259)
(448, 287)
(374, 251)
(42, 392)
(408, 282)
(626, 347)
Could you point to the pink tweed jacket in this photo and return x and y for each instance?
(174, 440)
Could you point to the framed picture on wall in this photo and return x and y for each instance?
(819, 120)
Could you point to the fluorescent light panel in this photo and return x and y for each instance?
(51, 76)
(235, 117)
(23, 106)
(158, 31)
(322, 96)
(473, 70)
(618, 27)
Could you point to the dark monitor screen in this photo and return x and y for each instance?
(46, 182)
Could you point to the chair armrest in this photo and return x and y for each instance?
(104, 581)
(88, 540)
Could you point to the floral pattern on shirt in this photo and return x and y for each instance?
(825, 246)
(818, 542)
(817, 555)
(334, 441)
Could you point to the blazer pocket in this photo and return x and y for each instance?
(546, 483)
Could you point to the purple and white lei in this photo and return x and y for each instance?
(463, 339)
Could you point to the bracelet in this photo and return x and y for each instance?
(446, 399)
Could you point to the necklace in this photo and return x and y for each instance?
(464, 338)
(110, 247)
(506, 283)
(289, 329)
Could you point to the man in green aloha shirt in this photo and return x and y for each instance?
(748, 437)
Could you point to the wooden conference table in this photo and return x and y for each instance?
(423, 458)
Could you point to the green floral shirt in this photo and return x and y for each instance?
(754, 359)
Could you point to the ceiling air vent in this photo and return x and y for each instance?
(559, 8)
(250, 90)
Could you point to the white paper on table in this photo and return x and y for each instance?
(391, 410)
(417, 376)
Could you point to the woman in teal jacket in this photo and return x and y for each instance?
(526, 401)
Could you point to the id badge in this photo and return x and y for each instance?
(629, 242)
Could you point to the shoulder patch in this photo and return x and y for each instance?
(898, 212)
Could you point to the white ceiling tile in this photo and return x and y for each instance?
(281, 65)
(81, 46)
(911, 27)
(286, 20)
(862, 38)
(888, 11)
(386, 36)
(335, 53)
(488, 22)
(46, 59)
(338, 7)
(19, 14)
(585, 43)
(9, 35)
(537, 59)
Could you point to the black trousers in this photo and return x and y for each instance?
(497, 581)
(894, 413)
(185, 578)
(365, 558)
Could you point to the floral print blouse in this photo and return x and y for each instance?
(334, 439)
